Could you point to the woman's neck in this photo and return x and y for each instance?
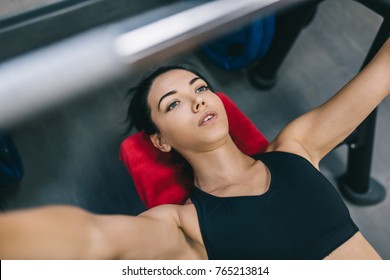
(221, 167)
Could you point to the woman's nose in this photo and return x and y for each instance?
(198, 104)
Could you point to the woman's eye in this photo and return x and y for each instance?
(172, 105)
(201, 89)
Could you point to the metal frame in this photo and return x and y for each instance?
(45, 25)
(91, 59)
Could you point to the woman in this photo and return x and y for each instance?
(276, 205)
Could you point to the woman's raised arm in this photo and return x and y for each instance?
(317, 132)
(67, 232)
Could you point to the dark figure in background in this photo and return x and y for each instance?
(289, 24)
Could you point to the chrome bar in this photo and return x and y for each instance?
(73, 67)
(188, 27)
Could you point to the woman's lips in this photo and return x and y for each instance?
(207, 117)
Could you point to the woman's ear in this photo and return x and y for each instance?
(160, 143)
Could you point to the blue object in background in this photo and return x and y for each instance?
(243, 47)
(11, 168)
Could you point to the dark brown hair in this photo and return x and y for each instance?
(138, 113)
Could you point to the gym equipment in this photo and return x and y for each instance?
(118, 56)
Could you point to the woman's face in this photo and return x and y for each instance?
(189, 116)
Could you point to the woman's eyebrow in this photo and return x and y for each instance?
(194, 80)
(166, 95)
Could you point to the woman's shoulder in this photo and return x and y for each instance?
(165, 212)
(170, 212)
(292, 147)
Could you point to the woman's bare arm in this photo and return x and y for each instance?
(317, 132)
(66, 232)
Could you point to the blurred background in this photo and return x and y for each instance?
(70, 151)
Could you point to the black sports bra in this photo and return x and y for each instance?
(301, 216)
